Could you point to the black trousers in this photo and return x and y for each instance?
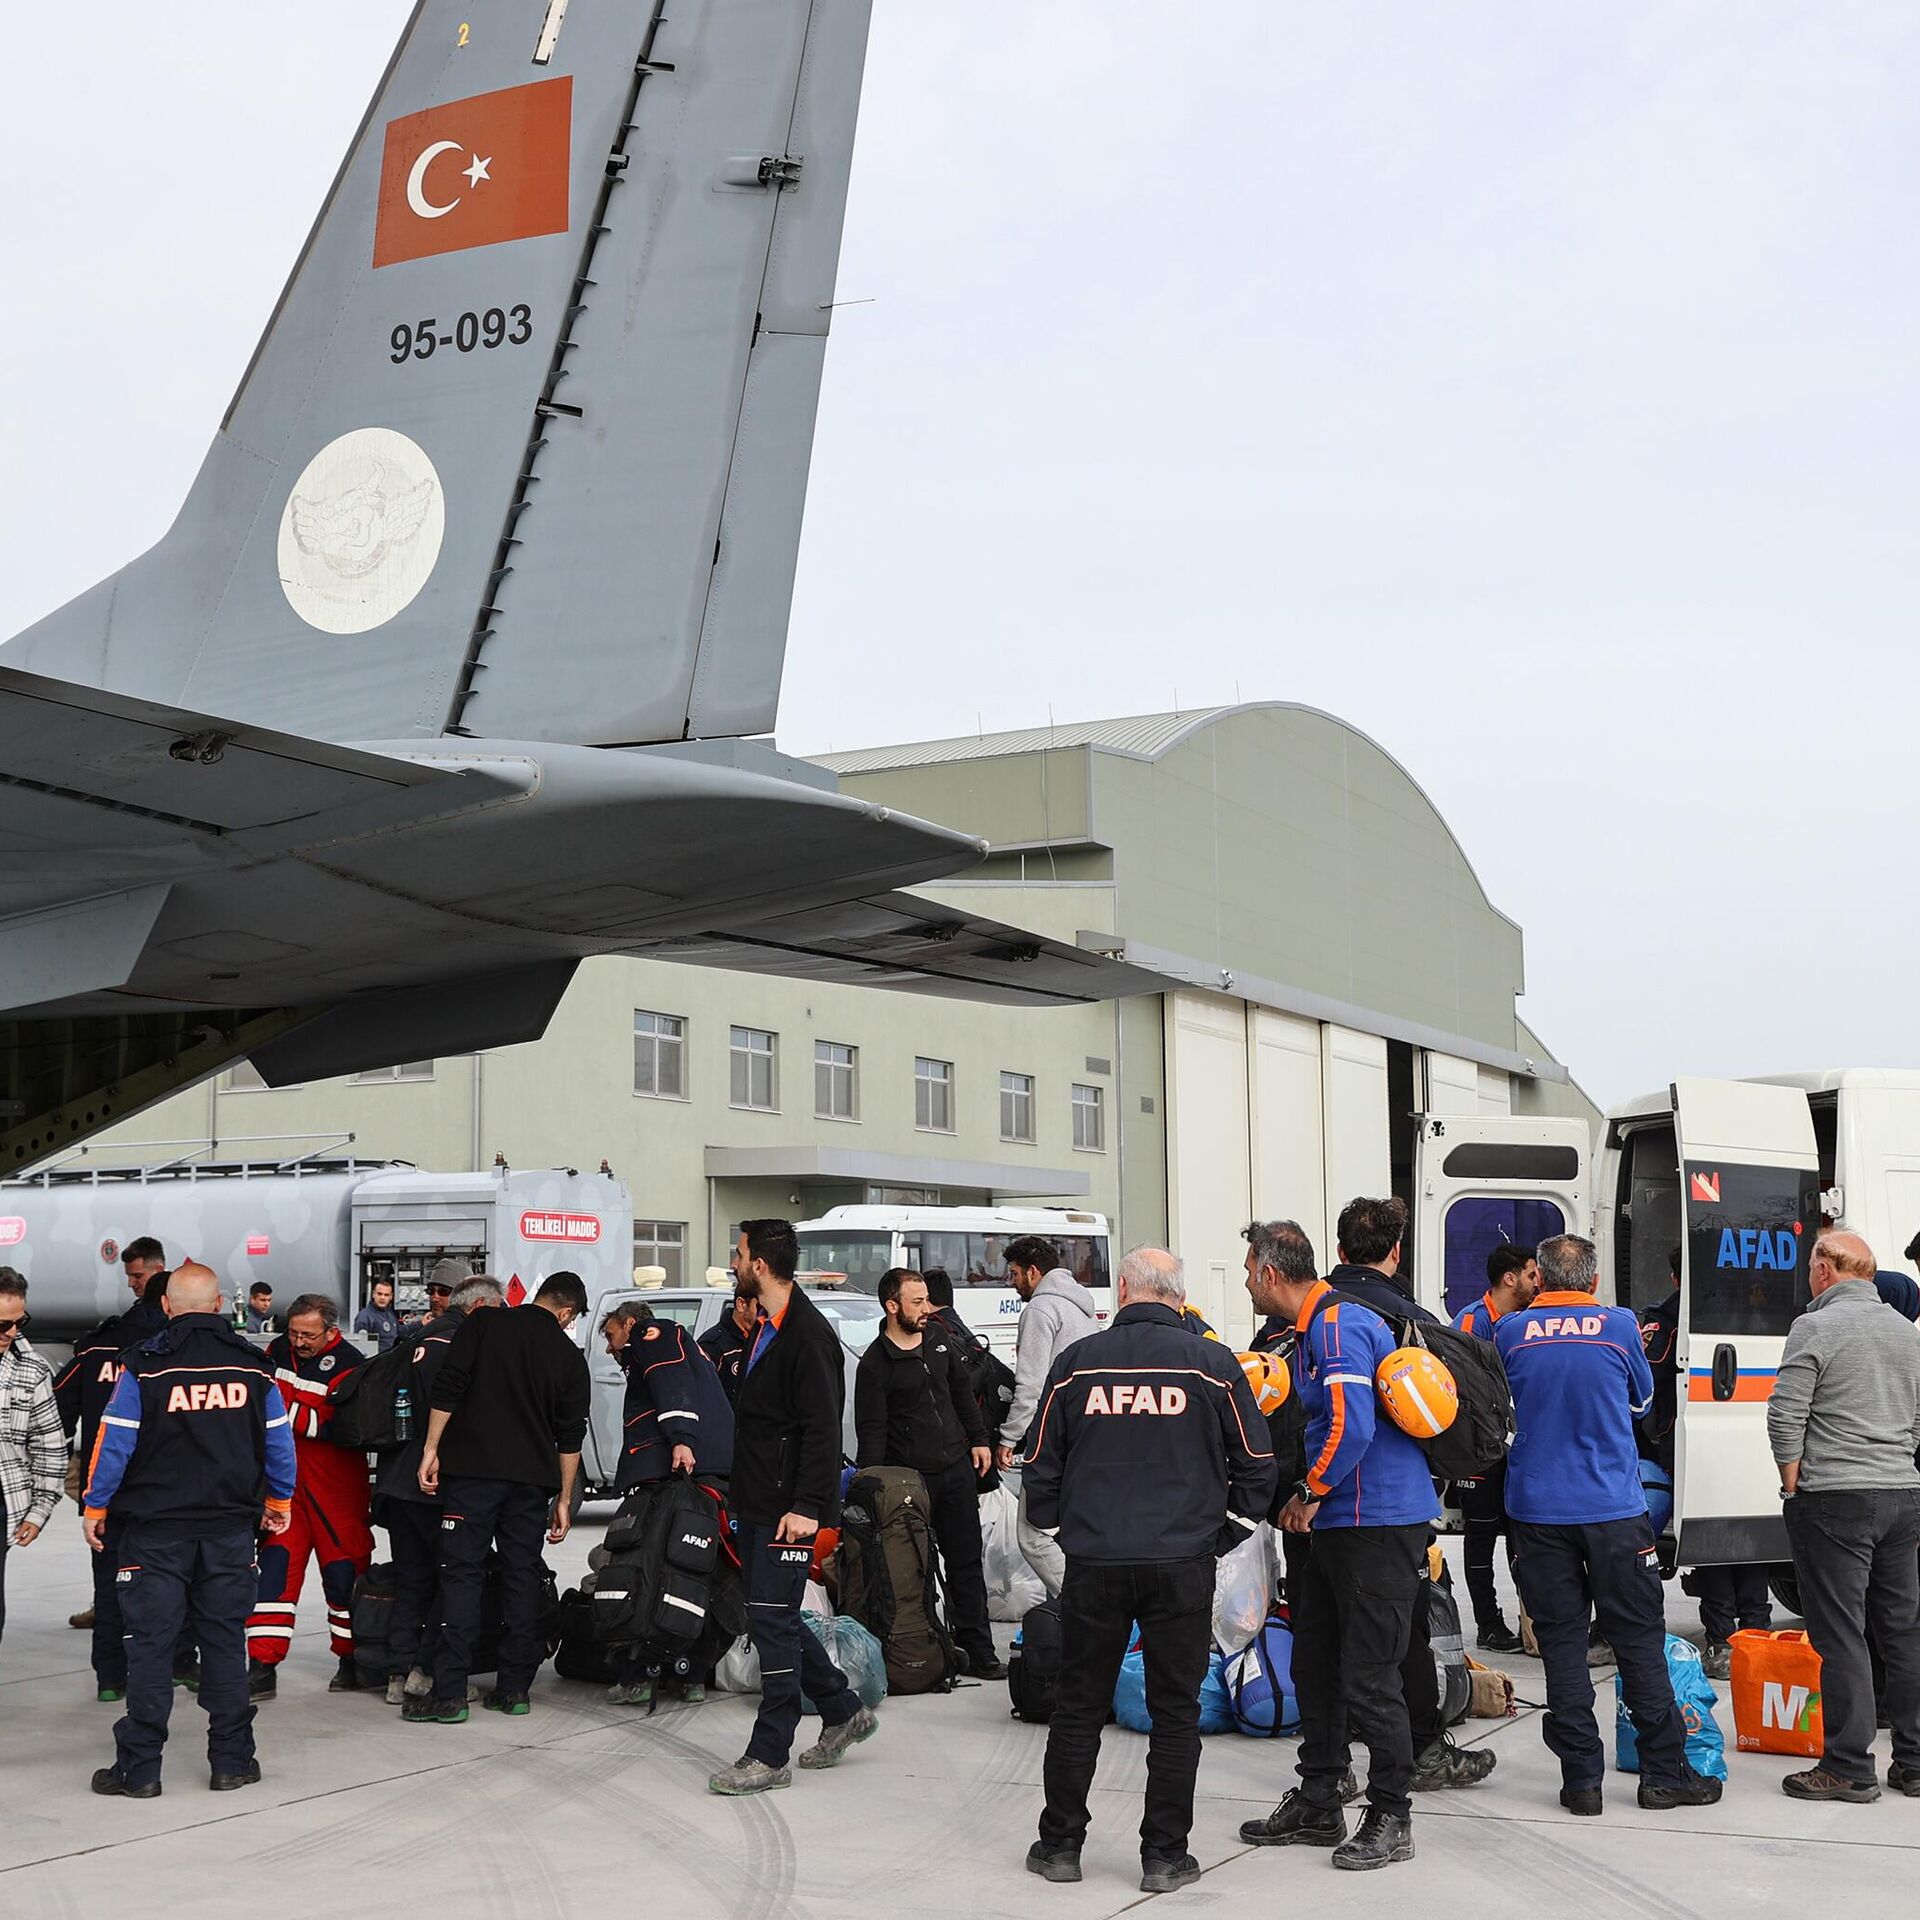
(1609, 1572)
(953, 1500)
(1483, 1511)
(1099, 1604)
(1730, 1598)
(413, 1625)
(1353, 1596)
(792, 1661)
(476, 1515)
(167, 1587)
(1857, 1555)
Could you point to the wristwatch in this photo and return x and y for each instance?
(1303, 1493)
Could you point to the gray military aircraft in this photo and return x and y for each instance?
(445, 676)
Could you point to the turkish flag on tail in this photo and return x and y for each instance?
(476, 172)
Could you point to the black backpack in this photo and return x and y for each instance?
(671, 1578)
(363, 1401)
(1476, 1443)
(1033, 1664)
(885, 1577)
(373, 1595)
(1449, 1649)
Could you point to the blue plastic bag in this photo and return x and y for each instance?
(1260, 1683)
(854, 1651)
(1130, 1694)
(1694, 1695)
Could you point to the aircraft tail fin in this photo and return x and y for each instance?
(524, 449)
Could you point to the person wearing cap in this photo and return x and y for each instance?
(443, 1282)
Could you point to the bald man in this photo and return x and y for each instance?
(194, 1429)
(1844, 1424)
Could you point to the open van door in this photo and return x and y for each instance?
(1484, 1179)
(1750, 1199)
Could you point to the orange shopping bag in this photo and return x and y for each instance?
(1776, 1694)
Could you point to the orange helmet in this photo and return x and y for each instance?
(1269, 1377)
(1418, 1390)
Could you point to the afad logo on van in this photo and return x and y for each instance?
(1757, 1249)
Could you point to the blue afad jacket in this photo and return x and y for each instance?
(1148, 1446)
(674, 1399)
(1580, 1380)
(194, 1432)
(1360, 1467)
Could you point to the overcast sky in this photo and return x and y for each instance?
(1531, 385)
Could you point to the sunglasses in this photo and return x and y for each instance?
(14, 1326)
(444, 1292)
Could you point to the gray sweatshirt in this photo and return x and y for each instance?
(1847, 1403)
(1060, 1312)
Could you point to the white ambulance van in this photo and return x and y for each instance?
(857, 1244)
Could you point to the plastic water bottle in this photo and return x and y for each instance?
(402, 1414)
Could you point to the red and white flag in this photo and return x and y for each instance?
(476, 173)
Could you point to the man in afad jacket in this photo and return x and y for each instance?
(1582, 1543)
(676, 1418)
(1147, 1460)
(786, 1485)
(193, 1438)
(1058, 1311)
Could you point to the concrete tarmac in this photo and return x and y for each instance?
(584, 1809)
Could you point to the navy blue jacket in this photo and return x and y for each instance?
(726, 1346)
(1149, 1445)
(674, 1399)
(1580, 1380)
(195, 1441)
(84, 1385)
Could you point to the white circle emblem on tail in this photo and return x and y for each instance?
(361, 531)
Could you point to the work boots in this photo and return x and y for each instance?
(263, 1681)
(1296, 1822)
(1383, 1838)
(346, 1677)
(1445, 1765)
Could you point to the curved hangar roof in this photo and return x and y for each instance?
(1269, 841)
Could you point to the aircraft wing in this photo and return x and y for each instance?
(900, 941)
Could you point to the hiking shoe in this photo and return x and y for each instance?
(263, 1681)
(188, 1675)
(1586, 1801)
(107, 1695)
(113, 1783)
(248, 1776)
(1818, 1784)
(1445, 1765)
(1059, 1864)
(1696, 1790)
(1159, 1875)
(991, 1668)
(1296, 1822)
(346, 1677)
(693, 1693)
(748, 1775)
(1904, 1779)
(83, 1619)
(396, 1689)
(640, 1694)
(419, 1684)
(834, 1742)
(1382, 1839)
(1716, 1660)
(1499, 1638)
(1350, 1788)
(431, 1712)
(499, 1701)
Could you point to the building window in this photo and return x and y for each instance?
(1016, 1106)
(662, 1243)
(751, 1068)
(1089, 1120)
(384, 1076)
(834, 1067)
(933, 1096)
(660, 1056)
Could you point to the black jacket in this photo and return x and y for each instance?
(1370, 1285)
(726, 1346)
(786, 1420)
(398, 1474)
(912, 1407)
(1148, 1446)
(84, 1385)
(1660, 1337)
(674, 1399)
(518, 1390)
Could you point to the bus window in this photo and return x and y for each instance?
(862, 1257)
(1086, 1259)
(1475, 1225)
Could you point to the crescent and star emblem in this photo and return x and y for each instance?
(417, 179)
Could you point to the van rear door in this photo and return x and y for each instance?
(1750, 1200)
(1484, 1180)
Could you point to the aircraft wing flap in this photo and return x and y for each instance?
(912, 945)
